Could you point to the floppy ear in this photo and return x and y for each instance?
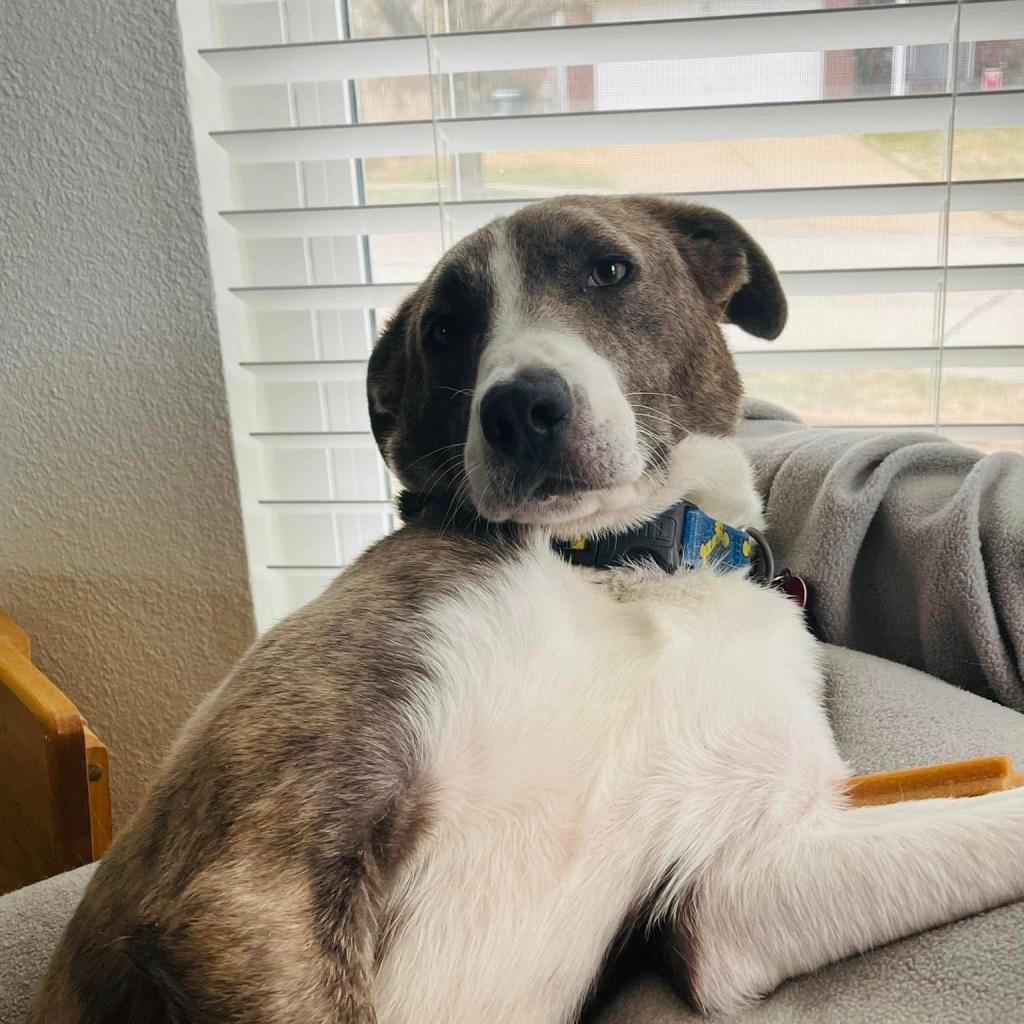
(730, 268)
(386, 375)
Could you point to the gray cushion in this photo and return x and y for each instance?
(885, 716)
(31, 921)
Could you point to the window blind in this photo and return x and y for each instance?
(875, 148)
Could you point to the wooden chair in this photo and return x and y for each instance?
(54, 773)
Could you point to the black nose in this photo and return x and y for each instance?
(525, 418)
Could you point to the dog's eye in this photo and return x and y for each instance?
(608, 272)
(444, 332)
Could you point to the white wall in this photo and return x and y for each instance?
(120, 543)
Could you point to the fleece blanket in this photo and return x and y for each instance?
(913, 546)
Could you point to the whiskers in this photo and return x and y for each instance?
(436, 451)
(654, 450)
(455, 391)
(444, 473)
(649, 412)
(457, 503)
(648, 421)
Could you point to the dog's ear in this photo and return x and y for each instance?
(730, 268)
(386, 374)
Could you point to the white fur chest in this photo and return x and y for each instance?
(567, 730)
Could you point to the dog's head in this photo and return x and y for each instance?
(552, 362)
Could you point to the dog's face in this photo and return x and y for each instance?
(552, 362)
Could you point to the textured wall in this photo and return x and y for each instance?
(120, 540)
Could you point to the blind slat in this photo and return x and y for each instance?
(625, 127)
(956, 431)
(308, 369)
(872, 280)
(343, 296)
(779, 360)
(755, 204)
(902, 279)
(318, 506)
(848, 28)
(676, 38)
(320, 62)
(329, 439)
(772, 359)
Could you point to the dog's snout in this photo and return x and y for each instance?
(524, 418)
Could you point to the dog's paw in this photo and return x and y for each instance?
(724, 976)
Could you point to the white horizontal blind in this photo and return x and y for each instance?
(875, 148)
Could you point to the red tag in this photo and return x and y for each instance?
(792, 586)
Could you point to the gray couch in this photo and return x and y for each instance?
(874, 499)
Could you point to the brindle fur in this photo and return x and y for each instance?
(249, 887)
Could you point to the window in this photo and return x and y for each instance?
(875, 148)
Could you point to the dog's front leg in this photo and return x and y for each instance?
(840, 882)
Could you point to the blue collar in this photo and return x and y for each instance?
(681, 537)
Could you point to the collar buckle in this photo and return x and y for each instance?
(658, 540)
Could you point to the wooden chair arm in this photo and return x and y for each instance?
(55, 818)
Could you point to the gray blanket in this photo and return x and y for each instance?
(913, 546)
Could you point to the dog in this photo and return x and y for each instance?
(447, 788)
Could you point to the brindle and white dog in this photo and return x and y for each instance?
(443, 790)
